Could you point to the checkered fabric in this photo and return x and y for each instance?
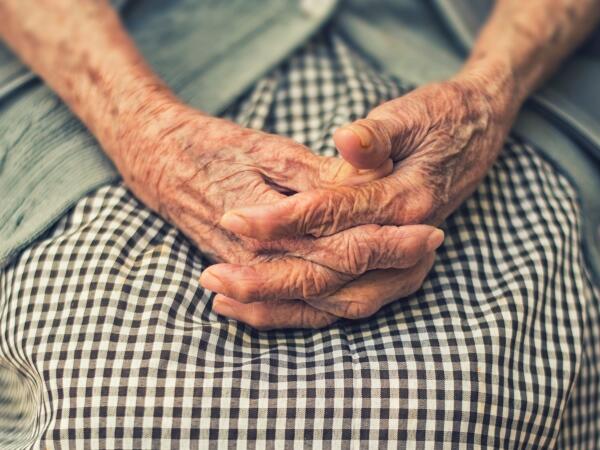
(108, 341)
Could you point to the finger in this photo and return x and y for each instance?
(273, 315)
(364, 296)
(390, 201)
(358, 299)
(298, 169)
(337, 260)
(319, 212)
(282, 279)
(366, 143)
(369, 247)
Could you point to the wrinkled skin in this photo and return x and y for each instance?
(206, 166)
(191, 168)
(442, 139)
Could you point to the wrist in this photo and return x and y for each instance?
(497, 82)
(151, 131)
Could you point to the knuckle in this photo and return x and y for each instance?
(314, 282)
(307, 317)
(356, 309)
(334, 213)
(383, 200)
(314, 213)
(424, 205)
(390, 250)
(358, 254)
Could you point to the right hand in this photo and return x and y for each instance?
(192, 168)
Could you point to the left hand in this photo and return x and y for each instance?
(442, 138)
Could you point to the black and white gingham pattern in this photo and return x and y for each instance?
(107, 340)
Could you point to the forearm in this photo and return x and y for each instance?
(82, 51)
(523, 42)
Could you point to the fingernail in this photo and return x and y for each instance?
(236, 223)
(211, 282)
(363, 134)
(435, 239)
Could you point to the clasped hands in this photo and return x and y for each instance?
(302, 240)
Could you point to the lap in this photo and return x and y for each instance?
(104, 323)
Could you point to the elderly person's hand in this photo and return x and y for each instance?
(442, 139)
(191, 168)
(296, 260)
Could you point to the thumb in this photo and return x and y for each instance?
(367, 143)
(338, 172)
(294, 167)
